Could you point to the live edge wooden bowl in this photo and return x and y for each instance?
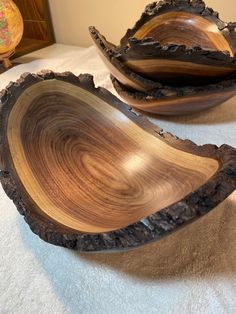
(184, 22)
(176, 65)
(152, 96)
(169, 100)
(118, 69)
(178, 43)
(89, 174)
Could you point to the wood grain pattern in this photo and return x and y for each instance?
(33, 9)
(112, 60)
(178, 72)
(89, 174)
(184, 28)
(38, 29)
(179, 43)
(176, 64)
(185, 22)
(168, 100)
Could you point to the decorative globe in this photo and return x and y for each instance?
(11, 26)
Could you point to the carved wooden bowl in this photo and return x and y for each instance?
(176, 65)
(152, 96)
(118, 69)
(178, 43)
(184, 22)
(89, 174)
(167, 100)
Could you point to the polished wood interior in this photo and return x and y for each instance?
(107, 53)
(184, 28)
(88, 166)
(173, 104)
(168, 71)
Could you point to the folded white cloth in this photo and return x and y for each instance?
(191, 271)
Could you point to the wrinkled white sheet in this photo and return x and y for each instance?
(191, 271)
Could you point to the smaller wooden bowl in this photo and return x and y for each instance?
(184, 22)
(176, 64)
(167, 100)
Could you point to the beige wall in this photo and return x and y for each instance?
(71, 18)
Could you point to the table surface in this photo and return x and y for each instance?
(191, 271)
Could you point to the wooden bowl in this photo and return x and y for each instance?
(89, 174)
(168, 100)
(112, 60)
(176, 64)
(184, 22)
(179, 43)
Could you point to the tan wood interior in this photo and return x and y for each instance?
(171, 69)
(126, 80)
(173, 106)
(184, 28)
(90, 167)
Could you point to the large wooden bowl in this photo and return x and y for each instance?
(184, 22)
(89, 174)
(168, 100)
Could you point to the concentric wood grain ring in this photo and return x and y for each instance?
(100, 171)
(184, 28)
(186, 22)
(89, 174)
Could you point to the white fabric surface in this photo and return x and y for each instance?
(191, 271)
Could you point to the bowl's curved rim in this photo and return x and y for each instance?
(165, 92)
(148, 48)
(151, 228)
(112, 56)
(115, 57)
(197, 7)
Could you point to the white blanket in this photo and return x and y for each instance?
(191, 271)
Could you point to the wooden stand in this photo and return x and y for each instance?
(6, 62)
(5, 58)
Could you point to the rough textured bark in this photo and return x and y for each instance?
(113, 61)
(150, 228)
(176, 43)
(148, 48)
(172, 100)
(176, 64)
(196, 7)
(141, 92)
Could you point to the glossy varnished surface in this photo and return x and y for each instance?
(100, 170)
(178, 101)
(184, 28)
(87, 173)
(107, 52)
(170, 71)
